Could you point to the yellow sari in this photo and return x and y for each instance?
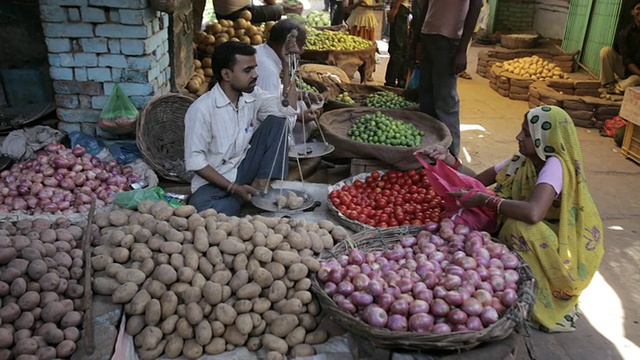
(565, 249)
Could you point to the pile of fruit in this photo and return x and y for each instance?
(391, 199)
(318, 18)
(202, 74)
(534, 67)
(382, 129)
(221, 31)
(387, 100)
(345, 98)
(301, 85)
(335, 40)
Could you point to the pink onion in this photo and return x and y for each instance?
(453, 298)
(375, 316)
(347, 305)
(397, 323)
(330, 288)
(439, 307)
(509, 297)
(457, 316)
(510, 260)
(356, 257)
(384, 301)
(472, 306)
(361, 298)
(345, 288)
(375, 287)
(474, 323)
(489, 315)
(421, 322)
(441, 328)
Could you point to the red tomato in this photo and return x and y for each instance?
(335, 202)
(358, 184)
(363, 218)
(416, 222)
(342, 209)
(411, 172)
(381, 204)
(413, 189)
(398, 202)
(399, 216)
(375, 175)
(393, 222)
(383, 225)
(386, 192)
(383, 218)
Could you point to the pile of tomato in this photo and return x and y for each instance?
(391, 199)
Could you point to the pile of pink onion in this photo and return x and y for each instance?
(445, 279)
(61, 181)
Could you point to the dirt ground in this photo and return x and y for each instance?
(609, 328)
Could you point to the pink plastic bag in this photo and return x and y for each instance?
(445, 180)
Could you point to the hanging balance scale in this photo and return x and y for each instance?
(283, 200)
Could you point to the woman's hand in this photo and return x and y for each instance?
(433, 153)
(473, 198)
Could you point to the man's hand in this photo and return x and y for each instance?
(307, 117)
(391, 15)
(244, 192)
(433, 153)
(291, 45)
(459, 61)
(312, 98)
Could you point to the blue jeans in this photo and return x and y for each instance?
(257, 164)
(438, 84)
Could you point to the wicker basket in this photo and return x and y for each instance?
(519, 41)
(359, 93)
(372, 240)
(160, 136)
(345, 221)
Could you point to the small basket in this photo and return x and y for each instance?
(377, 239)
(160, 136)
(519, 41)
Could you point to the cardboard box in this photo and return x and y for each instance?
(630, 109)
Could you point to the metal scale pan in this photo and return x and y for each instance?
(267, 200)
(310, 150)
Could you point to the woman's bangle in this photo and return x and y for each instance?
(456, 165)
(493, 203)
(231, 187)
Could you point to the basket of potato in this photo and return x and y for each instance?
(205, 283)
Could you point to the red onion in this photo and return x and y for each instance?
(323, 273)
(509, 297)
(360, 282)
(345, 288)
(489, 315)
(400, 307)
(405, 285)
(336, 275)
(375, 316)
(361, 298)
(511, 276)
(461, 229)
(394, 254)
(439, 307)
(408, 241)
(497, 283)
(510, 260)
(78, 151)
(330, 288)
(418, 306)
(453, 298)
(351, 270)
(347, 305)
(356, 257)
(457, 317)
(474, 323)
(472, 306)
(384, 301)
(421, 322)
(19, 204)
(375, 287)
(64, 205)
(496, 264)
(397, 323)
(441, 328)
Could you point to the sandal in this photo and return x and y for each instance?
(465, 75)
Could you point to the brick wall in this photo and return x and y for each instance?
(514, 15)
(94, 44)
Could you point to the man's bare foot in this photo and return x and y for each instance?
(261, 185)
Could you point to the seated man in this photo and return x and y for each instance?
(623, 60)
(235, 134)
(231, 9)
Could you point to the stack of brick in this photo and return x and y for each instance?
(509, 85)
(515, 15)
(94, 44)
(585, 110)
(486, 59)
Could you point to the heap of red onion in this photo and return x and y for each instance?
(61, 181)
(445, 279)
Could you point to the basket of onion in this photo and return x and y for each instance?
(438, 286)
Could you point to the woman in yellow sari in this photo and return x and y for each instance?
(547, 213)
(362, 21)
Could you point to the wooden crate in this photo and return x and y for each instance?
(359, 166)
(630, 143)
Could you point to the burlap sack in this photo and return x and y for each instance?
(328, 91)
(335, 125)
(326, 74)
(363, 61)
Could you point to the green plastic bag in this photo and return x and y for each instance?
(131, 199)
(119, 115)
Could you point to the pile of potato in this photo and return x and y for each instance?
(41, 296)
(534, 67)
(195, 283)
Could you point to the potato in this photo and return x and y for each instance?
(135, 324)
(124, 293)
(184, 329)
(244, 324)
(297, 272)
(327, 240)
(179, 288)
(245, 231)
(316, 337)
(194, 313)
(277, 291)
(273, 343)
(101, 285)
(71, 333)
(203, 333)
(233, 336)
(176, 261)
(222, 277)
(131, 275)
(224, 313)
(292, 306)
(7, 254)
(174, 346)
(153, 312)
(50, 333)
(302, 350)
(53, 312)
(168, 326)
(184, 211)
(153, 354)
(262, 277)
(282, 325)
(231, 247)
(46, 353)
(29, 301)
(192, 295)
(185, 274)
(24, 321)
(18, 287)
(277, 270)
(212, 292)
(178, 223)
(313, 307)
(339, 233)
(286, 258)
(26, 346)
(216, 346)
(30, 253)
(217, 328)
(240, 261)
(243, 306)
(249, 291)
(71, 319)
(296, 336)
(165, 274)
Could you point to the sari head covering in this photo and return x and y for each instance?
(565, 249)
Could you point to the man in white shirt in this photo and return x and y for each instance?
(270, 65)
(235, 134)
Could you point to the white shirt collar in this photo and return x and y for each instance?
(221, 99)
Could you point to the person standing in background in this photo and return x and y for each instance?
(231, 9)
(444, 36)
(362, 21)
(398, 66)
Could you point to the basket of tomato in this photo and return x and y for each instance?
(382, 199)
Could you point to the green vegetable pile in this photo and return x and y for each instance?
(384, 130)
(387, 100)
(303, 86)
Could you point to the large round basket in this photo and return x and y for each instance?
(345, 221)
(359, 92)
(519, 41)
(372, 240)
(160, 136)
(336, 123)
